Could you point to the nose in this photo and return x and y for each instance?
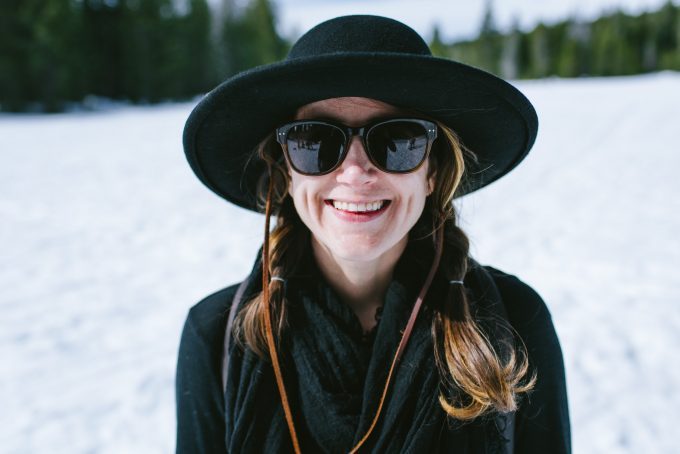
(356, 168)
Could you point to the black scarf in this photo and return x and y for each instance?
(335, 374)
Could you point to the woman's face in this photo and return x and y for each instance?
(331, 205)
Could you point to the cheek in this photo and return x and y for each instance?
(292, 186)
(303, 191)
(415, 194)
(297, 192)
(299, 187)
(417, 188)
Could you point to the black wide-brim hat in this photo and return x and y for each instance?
(364, 56)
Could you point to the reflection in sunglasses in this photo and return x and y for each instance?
(406, 153)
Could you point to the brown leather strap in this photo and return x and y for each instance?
(405, 336)
(268, 324)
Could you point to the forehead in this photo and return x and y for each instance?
(351, 111)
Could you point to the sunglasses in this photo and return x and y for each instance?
(397, 145)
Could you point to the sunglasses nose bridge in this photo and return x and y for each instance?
(358, 134)
(356, 154)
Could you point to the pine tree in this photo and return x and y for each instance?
(510, 53)
(490, 41)
(667, 38)
(39, 42)
(15, 43)
(539, 52)
(251, 38)
(101, 42)
(436, 45)
(198, 70)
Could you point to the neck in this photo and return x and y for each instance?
(361, 285)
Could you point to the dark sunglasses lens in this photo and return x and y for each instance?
(314, 148)
(398, 146)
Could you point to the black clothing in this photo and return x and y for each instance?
(334, 376)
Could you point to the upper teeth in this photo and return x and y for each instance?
(349, 206)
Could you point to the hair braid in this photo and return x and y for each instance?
(286, 246)
(480, 376)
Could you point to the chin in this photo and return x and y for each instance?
(360, 249)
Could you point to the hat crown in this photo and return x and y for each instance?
(359, 33)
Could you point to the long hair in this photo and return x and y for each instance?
(484, 378)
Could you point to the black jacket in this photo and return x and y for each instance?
(542, 421)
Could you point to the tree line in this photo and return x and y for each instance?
(56, 52)
(59, 52)
(614, 44)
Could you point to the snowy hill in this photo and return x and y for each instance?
(107, 239)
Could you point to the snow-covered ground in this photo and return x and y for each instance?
(107, 239)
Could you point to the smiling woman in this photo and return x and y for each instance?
(365, 324)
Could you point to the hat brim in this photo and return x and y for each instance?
(492, 118)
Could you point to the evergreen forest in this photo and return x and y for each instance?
(55, 54)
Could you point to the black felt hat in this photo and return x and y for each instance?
(365, 56)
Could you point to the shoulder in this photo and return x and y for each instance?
(543, 418)
(207, 318)
(524, 305)
(542, 422)
(198, 381)
(202, 344)
(529, 316)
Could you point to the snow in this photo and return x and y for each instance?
(107, 239)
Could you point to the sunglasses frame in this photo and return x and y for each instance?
(361, 131)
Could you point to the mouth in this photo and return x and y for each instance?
(359, 208)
